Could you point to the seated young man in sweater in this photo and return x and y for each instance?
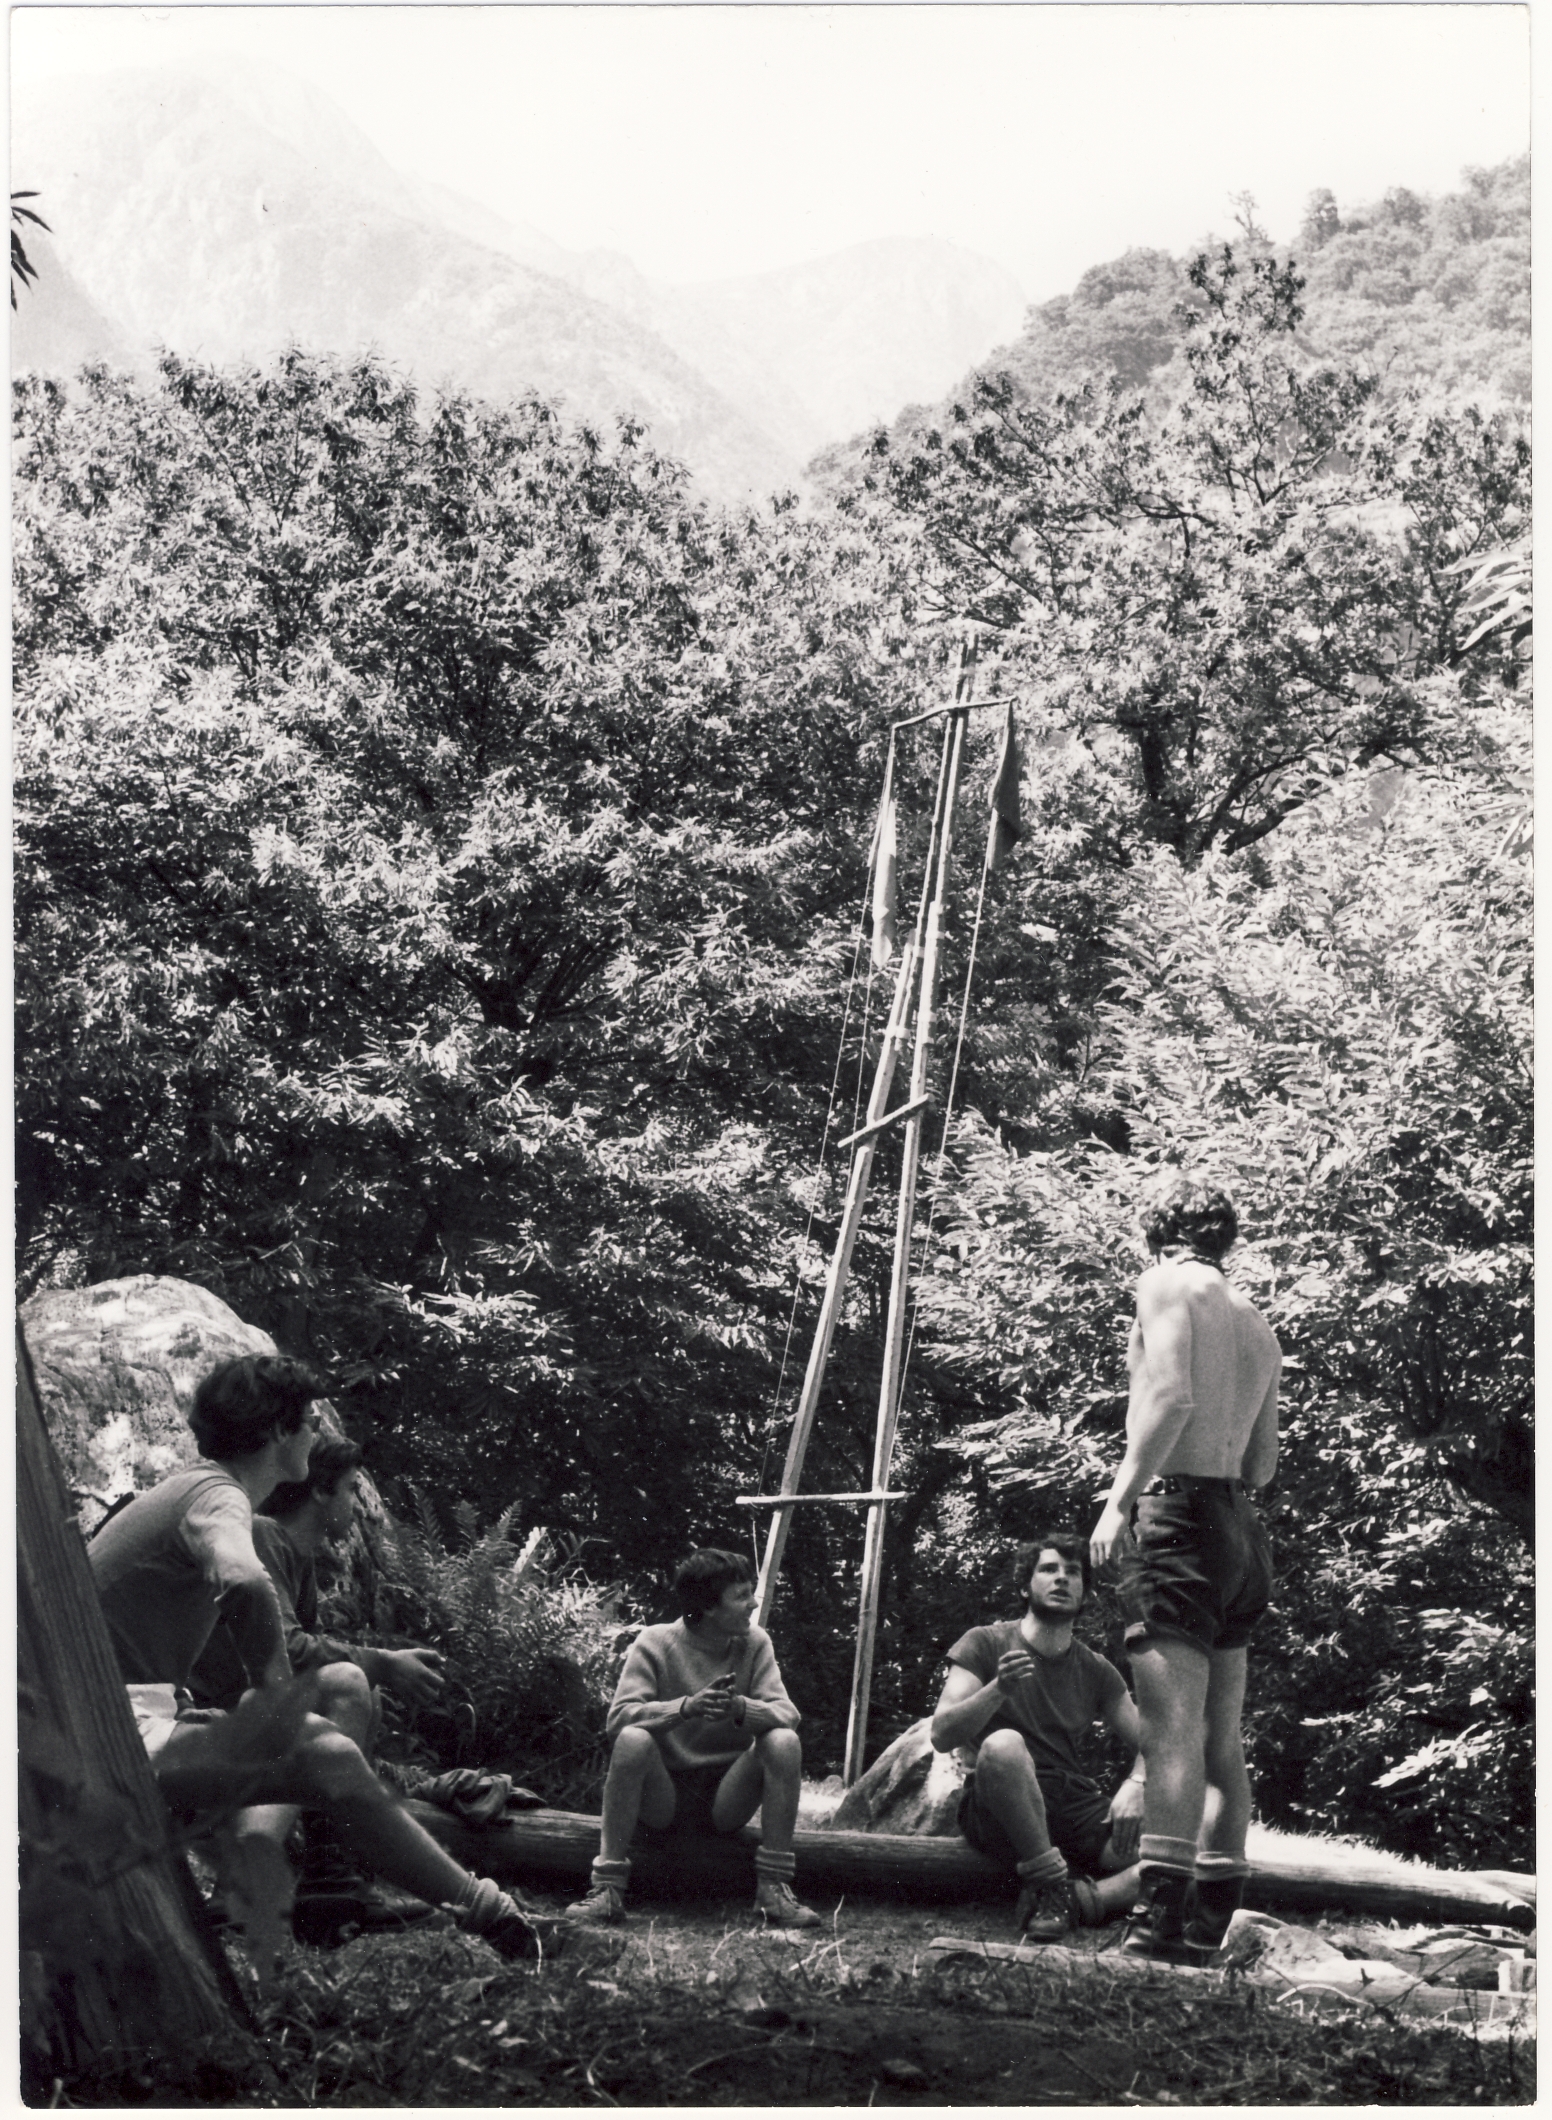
(180, 1555)
(1019, 1695)
(703, 1735)
(333, 1898)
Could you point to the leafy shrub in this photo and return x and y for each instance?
(531, 1657)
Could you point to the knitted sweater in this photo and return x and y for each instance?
(667, 1664)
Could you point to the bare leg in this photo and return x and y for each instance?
(1006, 1784)
(1115, 1890)
(768, 1777)
(638, 1787)
(323, 1769)
(1227, 1817)
(1171, 1678)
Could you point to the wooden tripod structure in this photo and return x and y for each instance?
(916, 981)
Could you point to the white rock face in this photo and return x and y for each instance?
(116, 1366)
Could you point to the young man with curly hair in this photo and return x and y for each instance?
(1201, 1432)
(703, 1734)
(1019, 1697)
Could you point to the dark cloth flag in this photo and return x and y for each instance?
(883, 859)
(1007, 824)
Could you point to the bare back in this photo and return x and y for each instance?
(1197, 1337)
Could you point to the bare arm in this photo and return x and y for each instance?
(968, 1703)
(1260, 1460)
(1160, 1405)
(1126, 1805)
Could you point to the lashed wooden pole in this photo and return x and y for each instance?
(894, 1338)
(866, 1141)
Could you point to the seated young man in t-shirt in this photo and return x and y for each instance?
(1019, 1696)
(302, 1516)
(703, 1735)
(182, 1553)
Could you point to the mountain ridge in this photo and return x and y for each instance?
(226, 211)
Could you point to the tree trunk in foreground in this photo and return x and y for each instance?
(113, 1966)
(554, 1849)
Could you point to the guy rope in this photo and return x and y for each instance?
(914, 991)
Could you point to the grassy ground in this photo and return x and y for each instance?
(703, 2009)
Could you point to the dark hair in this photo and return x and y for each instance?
(330, 1458)
(1190, 1211)
(700, 1581)
(241, 1402)
(1066, 1543)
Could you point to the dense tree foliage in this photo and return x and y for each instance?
(429, 838)
(439, 842)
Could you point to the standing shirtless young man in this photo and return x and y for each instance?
(1201, 1429)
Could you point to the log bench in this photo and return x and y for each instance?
(553, 1851)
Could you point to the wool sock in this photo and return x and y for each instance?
(779, 1865)
(1165, 1848)
(1210, 1868)
(1049, 1868)
(478, 1904)
(613, 1871)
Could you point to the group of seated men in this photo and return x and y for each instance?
(243, 1705)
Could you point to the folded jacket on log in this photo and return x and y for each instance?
(555, 1849)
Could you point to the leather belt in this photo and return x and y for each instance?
(1183, 1482)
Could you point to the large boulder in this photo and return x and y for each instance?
(908, 1789)
(116, 1366)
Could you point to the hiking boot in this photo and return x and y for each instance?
(1211, 1905)
(776, 1900)
(1044, 1912)
(327, 1919)
(518, 1933)
(602, 1903)
(1155, 1927)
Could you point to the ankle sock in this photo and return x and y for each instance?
(1049, 1868)
(775, 1865)
(611, 1871)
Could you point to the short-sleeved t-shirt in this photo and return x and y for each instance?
(1052, 1710)
(164, 1567)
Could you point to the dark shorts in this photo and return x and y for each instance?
(695, 1791)
(1077, 1816)
(1202, 1569)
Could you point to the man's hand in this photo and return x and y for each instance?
(414, 1674)
(1126, 1819)
(1013, 1665)
(1110, 1536)
(713, 1703)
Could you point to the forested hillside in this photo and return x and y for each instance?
(1417, 291)
(441, 848)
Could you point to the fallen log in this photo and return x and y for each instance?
(553, 1850)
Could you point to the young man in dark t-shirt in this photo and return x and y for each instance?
(1019, 1696)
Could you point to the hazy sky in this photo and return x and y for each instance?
(709, 140)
